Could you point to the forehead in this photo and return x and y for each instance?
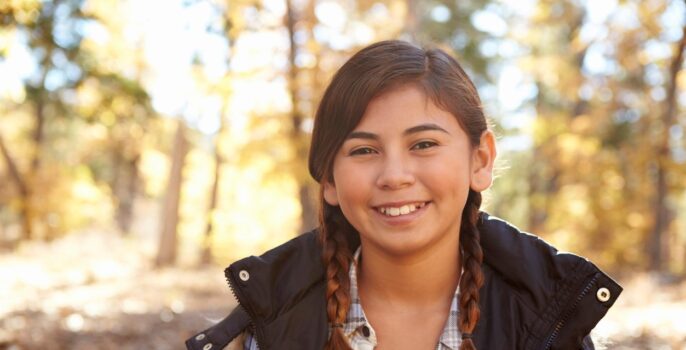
(403, 107)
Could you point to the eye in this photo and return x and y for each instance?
(362, 151)
(423, 145)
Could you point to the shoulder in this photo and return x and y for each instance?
(267, 288)
(295, 263)
(283, 287)
(531, 288)
(525, 259)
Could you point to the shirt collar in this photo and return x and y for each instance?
(450, 338)
(355, 317)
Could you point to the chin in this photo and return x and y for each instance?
(402, 247)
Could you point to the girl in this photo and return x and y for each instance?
(403, 257)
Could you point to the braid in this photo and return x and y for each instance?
(336, 259)
(472, 276)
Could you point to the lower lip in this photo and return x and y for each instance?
(402, 220)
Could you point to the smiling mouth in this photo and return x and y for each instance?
(402, 210)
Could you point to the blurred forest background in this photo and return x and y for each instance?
(147, 144)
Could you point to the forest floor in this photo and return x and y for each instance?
(95, 290)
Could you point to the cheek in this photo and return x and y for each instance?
(352, 186)
(447, 179)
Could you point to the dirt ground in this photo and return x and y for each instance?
(96, 290)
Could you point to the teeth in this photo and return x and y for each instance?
(404, 210)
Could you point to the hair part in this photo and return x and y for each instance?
(373, 71)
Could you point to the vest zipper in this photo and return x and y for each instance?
(238, 296)
(568, 313)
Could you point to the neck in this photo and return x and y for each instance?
(424, 280)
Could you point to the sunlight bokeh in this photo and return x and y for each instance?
(129, 127)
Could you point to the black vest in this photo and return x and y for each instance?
(533, 297)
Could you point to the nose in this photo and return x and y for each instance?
(395, 173)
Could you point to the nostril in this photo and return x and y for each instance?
(394, 181)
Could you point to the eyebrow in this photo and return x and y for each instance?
(424, 127)
(413, 130)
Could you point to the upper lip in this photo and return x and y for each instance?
(398, 204)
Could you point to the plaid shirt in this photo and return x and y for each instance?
(360, 333)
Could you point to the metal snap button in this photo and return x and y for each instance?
(603, 295)
(244, 275)
(200, 337)
(207, 347)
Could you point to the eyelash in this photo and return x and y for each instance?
(427, 144)
(361, 151)
(421, 145)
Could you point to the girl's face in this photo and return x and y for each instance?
(403, 174)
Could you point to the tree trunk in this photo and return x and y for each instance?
(24, 183)
(308, 216)
(206, 251)
(38, 134)
(22, 187)
(206, 255)
(166, 255)
(657, 249)
(412, 19)
(537, 197)
(126, 194)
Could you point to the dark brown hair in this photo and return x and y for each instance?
(371, 72)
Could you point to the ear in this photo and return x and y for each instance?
(330, 193)
(483, 158)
